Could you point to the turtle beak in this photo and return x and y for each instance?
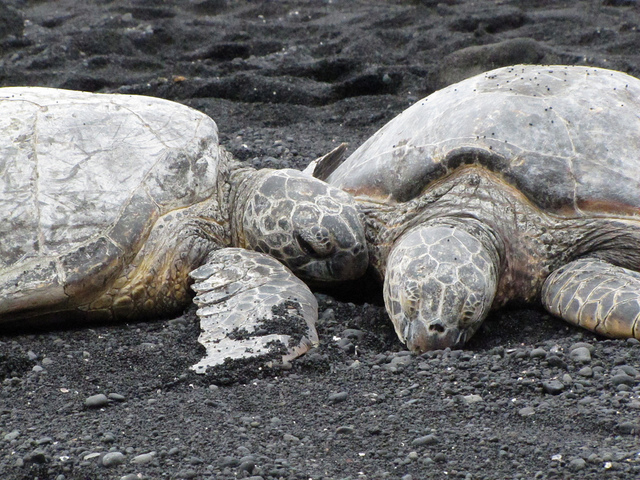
(421, 336)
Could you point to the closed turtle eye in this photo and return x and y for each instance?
(305, 246)
(466, 316)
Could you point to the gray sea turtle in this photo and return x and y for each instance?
(109, 202)
(518, 185)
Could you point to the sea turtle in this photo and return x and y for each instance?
(109, 202)
(521, 184)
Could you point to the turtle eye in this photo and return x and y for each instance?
(466, 316)
(305, 246)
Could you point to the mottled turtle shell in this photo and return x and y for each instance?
(567, 137)
(83, 178)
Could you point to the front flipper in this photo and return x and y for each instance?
(595, 295)
(250, 305)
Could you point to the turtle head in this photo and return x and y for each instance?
(313, 228)
(439, 285)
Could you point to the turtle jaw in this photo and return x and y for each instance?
(421, 336)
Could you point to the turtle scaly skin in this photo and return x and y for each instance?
(517, 185)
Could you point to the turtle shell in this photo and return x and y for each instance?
(567, 137)
(83, 178)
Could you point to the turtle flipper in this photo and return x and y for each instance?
(250, 305)
(595, 295)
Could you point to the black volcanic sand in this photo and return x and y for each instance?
(528, 397)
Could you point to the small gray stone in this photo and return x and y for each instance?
(628, 369)
(538, 353)
(37, 456)
(113, 459)
(623, 378)
(426, 440)
(116, 397)
(12, 435)
(345, 430)
(290, 438)
(553, 387)
(353, 334)
(96, 401)
(628, 428)
(580, 355)
(132, 476)
(526, 411)
(577, 464)
(586, 345)
(143, 458)
(338, 397)
(586, 372)
(470, 399)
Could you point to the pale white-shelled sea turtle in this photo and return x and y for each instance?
(521, 184)
(109, 203)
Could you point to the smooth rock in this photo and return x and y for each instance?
(96, 401)
(470, 399)
(426, 440)
(526, 411)
(143, 458)
(580, 355)
(623, 378)
(553, 387)
(113, 459)
(338, 397)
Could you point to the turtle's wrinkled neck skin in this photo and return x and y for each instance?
(529, 243)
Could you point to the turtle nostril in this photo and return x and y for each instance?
(436, 327)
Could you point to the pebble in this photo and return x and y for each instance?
(12, 435)
(287, 437)
(553, 387)
(338, 397)
(425, 440)
(538, 353)
(345, 430)
(143, 458)
(628, 428)
(556, 361)
(577, 464)
(623, 378)
(526, 411)
(586, 372)
(580, 355)
(113, 459)
(116, 397)
(96, 401)
(470, 399)
(353, 334)
(628, 369)
(37, 456)
(132, 476)
(586, 345)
